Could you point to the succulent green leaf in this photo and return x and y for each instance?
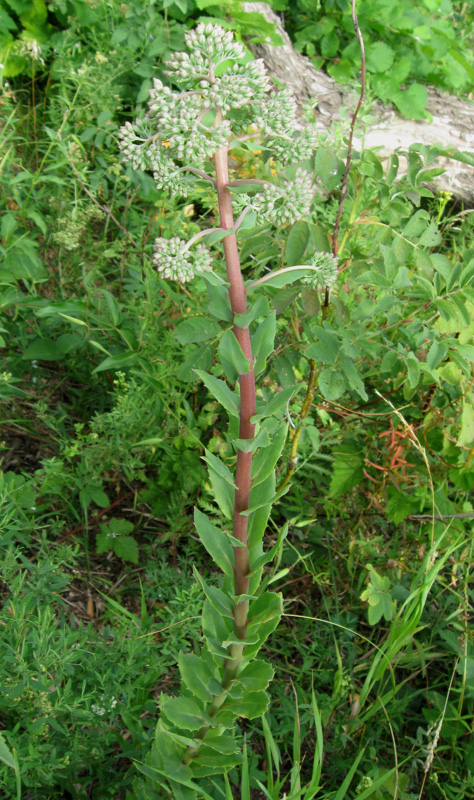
(264, 462)
(219, 304)
(264, 615)
(279, 400)
(267, 557)
(216, 629)
(263, 342)
(215, 542)
(221, 602)
(197, 676)
(185, 713)
(256, 676)
(262, 439)
(261, 308)
(250, 706)
(225, 396)
(196, 329)
(222, 482)
(231, 356)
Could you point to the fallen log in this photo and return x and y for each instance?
(451, 127)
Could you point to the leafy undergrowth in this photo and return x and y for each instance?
(104, 426)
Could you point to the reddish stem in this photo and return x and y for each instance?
(238, 302)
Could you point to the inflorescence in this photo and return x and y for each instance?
(325, 274)
(221, 97)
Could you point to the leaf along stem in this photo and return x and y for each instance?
(238, 302)
(295, 435)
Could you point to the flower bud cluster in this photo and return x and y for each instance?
(325, 274)
(176, 263)
(281, 205)
(294, 149)
(214, 42)
(238, 86)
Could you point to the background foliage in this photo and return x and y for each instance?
(104, 424)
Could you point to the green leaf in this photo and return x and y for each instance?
(222, 482)
(466, 436)
(331, 383)
(257, 563)
(442, 265)
(264, 462)
(251, 706)
(353, 378)
(296, 243)
(261, 308)
(263, 342)
(225, 396)
(220, 602)
(184, 713)
(279, 401)
(232, 357)
(43, 350)
(347, 469)
(327, 349)
(127, 548)
(379, 598)
(216, 629)
(197, 676)
(290, 275)
(219, 305)
(5, 754)
(9, 759)
(413, 369)
(379, 57)
(200, 358)
(215, 542)
(264, 615)
(329, 167)
(314, 437)
(262, 439)
(411, 102)
(113, 305)
(196, 329)
(256, 676)
(119, 361)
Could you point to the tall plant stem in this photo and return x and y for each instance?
(238, 302)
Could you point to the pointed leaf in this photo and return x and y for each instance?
(331, 383)
(196, 329)
(264, 462)
(215, 542)
(231, 356)
(296, 243)
(184, 713)
(278, 401)
(197, 676)
(263, 342)
(256, 676)
(225, 396)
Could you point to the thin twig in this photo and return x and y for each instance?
(345, 180)
(440, 517)
(103, 208)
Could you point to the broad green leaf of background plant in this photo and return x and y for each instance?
(378, 596)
